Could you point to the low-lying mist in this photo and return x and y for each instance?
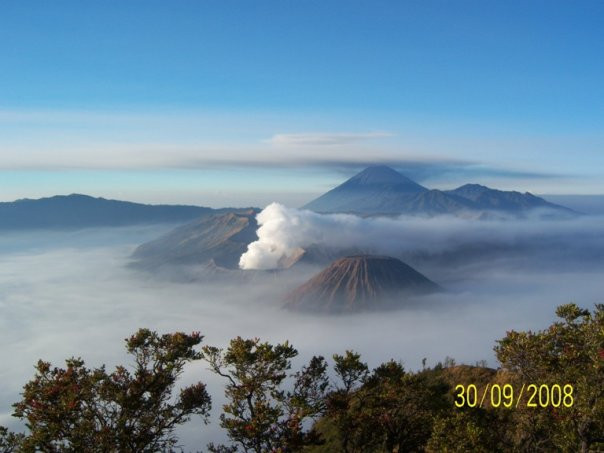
(72, 294)
(283, 231)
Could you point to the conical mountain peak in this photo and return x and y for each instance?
(380, 174)
(381, 190)
(377, 189)
(362, 282)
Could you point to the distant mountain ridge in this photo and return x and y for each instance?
(360, 283)
(82, 211)
(486, 198)
(382, 190)
(219, 239)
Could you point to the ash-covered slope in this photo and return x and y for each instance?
(360, 283)
(217, 240)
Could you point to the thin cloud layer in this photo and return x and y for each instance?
(325, 139)
(58, 140)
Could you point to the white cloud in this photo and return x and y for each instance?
(66, 293)
(50, 140)
(283, 231)
(325, 139)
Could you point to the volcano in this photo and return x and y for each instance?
(377, 189)
(218, 240)
(381, 190)
(360, 283)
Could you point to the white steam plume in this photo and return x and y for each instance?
(284, 231)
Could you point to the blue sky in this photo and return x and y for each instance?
(224, 102)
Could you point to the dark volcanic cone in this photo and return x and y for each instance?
(359, 283)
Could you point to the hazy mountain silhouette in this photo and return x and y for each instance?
(382, 190)
(79, 211)
(359, 283)
(378, 189)
(218, 240)
(485, 198)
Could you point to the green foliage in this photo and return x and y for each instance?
(9, 442)
(260, 415)
(81, 409)
(350, 370)
(273, 409)
(387, 410)
(342, 401)
(474, 430)
(570, 351)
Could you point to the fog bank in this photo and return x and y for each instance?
(72, 295)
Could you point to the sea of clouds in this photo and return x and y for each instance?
(66, 294)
